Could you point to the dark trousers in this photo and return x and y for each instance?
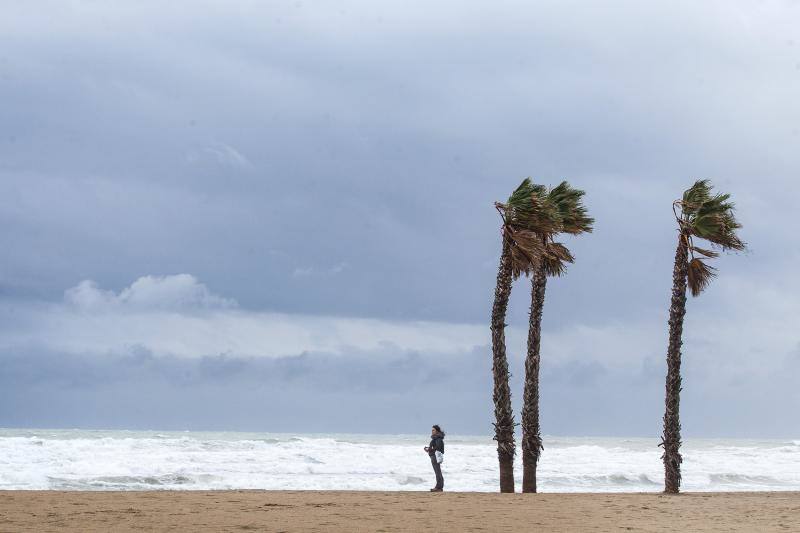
(437, 469)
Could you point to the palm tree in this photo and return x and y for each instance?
(571, 218)
(700, 215)
(525, 210)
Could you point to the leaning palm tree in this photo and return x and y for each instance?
(572, 218)
(524, 216)
(700, 215)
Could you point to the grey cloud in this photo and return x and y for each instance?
(258, 146)
(356, 140)
(363, 392)
(316, 392)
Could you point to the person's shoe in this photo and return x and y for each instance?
(436, 490)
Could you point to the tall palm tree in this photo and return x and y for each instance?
(700, 214)
(572, 218)
(526, 210)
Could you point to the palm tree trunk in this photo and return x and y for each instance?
(531, 432)
(504, 415)
(671, 440)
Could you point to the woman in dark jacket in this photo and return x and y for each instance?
(436, 445)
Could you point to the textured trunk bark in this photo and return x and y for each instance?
(671, 440)
(531, 431)
(504, 415)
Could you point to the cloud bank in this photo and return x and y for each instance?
(172, 338)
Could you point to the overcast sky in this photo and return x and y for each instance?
(278, 215)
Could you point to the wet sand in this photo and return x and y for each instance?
(395, 511)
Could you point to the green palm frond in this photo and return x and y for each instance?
(710, 216)
(532, 215)
(569, 203)
(695, 196)
(703, 214)
(700, 275)
(530, 207)
(518, 203)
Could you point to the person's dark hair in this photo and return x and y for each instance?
(437, 428)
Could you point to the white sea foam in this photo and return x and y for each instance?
(126, 460)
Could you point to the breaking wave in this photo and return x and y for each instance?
(129, 460)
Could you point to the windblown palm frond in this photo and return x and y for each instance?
(527, 249)
(528, 216)
(699, 275)
(695, 196)
(711, 254)
(574, 219)
(532, 216)
(555, 259)
(568, 201)
(702, 214)
(709, 216)
(529, 208)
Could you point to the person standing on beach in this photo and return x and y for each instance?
(436, 452)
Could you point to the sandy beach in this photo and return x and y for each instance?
(395, 511)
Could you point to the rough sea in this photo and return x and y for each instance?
(150, 460)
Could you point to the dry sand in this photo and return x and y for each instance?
(395, 511)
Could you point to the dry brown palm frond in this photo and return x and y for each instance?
(555, 259)
(520, 263)
(560, 252)
(699, 276)
(527, 249)
(702, 251)
(553, 267)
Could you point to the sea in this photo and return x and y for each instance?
(76, 459)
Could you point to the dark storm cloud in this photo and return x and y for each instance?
(341, 160)
(245, 143)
